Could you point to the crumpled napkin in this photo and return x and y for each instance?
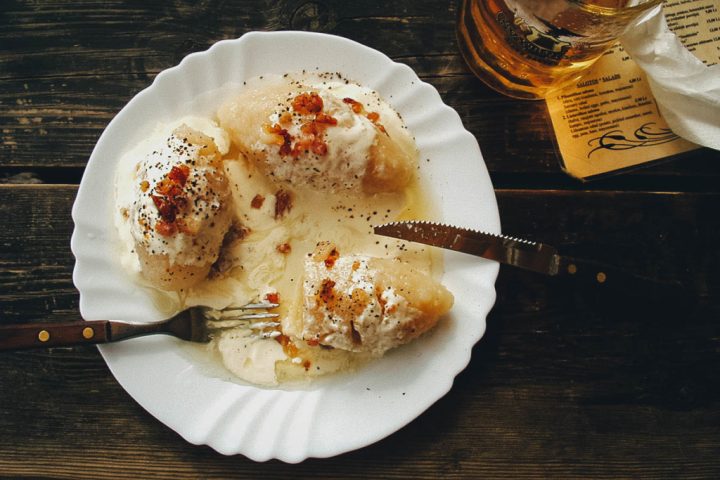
(686, 90)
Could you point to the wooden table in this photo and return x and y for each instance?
(567, 382)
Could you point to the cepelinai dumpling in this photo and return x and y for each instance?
(321, 137)
(181, 210)
(367, 304)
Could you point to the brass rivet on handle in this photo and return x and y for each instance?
(43, 335)
(572, 269)
(88, 333)
(601, 277)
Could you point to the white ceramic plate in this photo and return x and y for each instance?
(337, 414)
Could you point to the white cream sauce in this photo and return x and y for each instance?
(259, 267)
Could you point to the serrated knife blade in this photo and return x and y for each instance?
(526, 254)
(529, 255)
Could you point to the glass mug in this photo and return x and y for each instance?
(526, 48)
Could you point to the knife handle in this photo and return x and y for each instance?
(39, 335)
(608, 276)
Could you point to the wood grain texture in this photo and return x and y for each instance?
(68, 69)
(565, 384)
(568, 382)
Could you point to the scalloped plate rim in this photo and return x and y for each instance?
(490, 269)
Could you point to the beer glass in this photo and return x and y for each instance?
(526, 48)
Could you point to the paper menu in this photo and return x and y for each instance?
(608, 121)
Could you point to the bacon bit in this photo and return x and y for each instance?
(144, 185)
(168, 187)
(307, 103)
(312, 130)
(288, 346)
(307, 365)
(319, 147)
(284, 248)
(169, 199)
(326, 293)
(272, 297)
(273, 129)
(356, 106)
(283, 203)
(300, 147)
(282, 137)
(286, 146)
(374, 117)
(257, 201)
(165, 207)
(332, 258)
(313, 342)
(179, 174)
(286, 117)
(325, 119)
(164, 228)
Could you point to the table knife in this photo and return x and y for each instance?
(526, 254)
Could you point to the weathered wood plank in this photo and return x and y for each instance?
(567, 383)
(68, 71)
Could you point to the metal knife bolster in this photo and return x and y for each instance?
(525, 254)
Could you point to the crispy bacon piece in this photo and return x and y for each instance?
(164, 228)
(325, 119)
(283, 203)
(356, 106)
(319, 147)
(170, 199)
(257, 201)
(312, 131)
(179, 174)
(331, 258)
(282, 137)
(307, 103)
(327, 292)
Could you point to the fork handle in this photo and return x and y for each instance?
(42, 335)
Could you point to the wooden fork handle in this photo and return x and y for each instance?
(35, 335)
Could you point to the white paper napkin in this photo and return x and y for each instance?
(686, 90)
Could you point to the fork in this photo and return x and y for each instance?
(196, 324)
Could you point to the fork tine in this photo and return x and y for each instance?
(232, 322)
(248, 316)
(254, 306)
(213, 314)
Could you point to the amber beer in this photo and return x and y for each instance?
(525, 48)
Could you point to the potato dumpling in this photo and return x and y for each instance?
(367, 304)
(315, 137)
(181, 210)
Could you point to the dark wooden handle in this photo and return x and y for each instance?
(39, 335)
(604, 276)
